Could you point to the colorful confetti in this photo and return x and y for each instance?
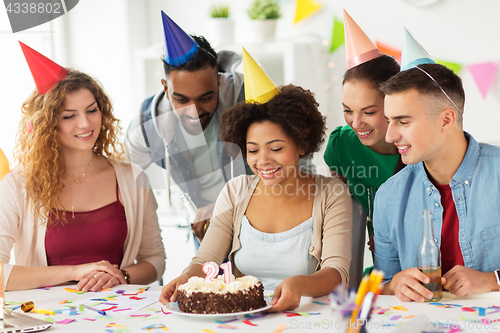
(280, 329)
(249, 323)
(65, 321)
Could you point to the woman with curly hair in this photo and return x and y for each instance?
(290, 229)
(72, 206)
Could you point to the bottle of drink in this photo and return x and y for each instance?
(429, 258)
(190, 208)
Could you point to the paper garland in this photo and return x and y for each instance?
(338, 38)
(305, 8)
(484, 75)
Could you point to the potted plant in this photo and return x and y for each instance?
(264, 14)
(221, 28)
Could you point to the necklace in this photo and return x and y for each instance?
(76, 181)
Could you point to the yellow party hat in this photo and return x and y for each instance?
(258, 86)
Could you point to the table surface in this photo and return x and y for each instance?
(313, 314)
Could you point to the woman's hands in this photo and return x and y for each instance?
(169, 292)
(287, 294)
(97, 275)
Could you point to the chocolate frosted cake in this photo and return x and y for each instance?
(242, 294)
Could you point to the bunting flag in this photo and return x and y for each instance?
(4, 164)
(338, 38)
(484, 75)
(456, 68)
(386, 49)
(305, 8)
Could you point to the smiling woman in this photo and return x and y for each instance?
(72, 191)
(288, 228)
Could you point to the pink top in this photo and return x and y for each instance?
(91, 236)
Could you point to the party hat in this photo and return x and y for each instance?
(359, 48)
(413, 53)
(258, 86)
(179, 46)
(46, 73)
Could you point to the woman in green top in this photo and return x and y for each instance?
(358, 152)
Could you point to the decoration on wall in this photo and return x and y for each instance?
(484, 75)
(456, 68)
(386, 49)
(4, 164)
(305, 8)
(337, 35)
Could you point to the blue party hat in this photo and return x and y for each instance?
(179, 46)
(413, 53)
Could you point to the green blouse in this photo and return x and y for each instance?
(364, 169)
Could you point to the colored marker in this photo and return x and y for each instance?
(101, 312)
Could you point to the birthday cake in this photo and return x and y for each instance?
(216, 296)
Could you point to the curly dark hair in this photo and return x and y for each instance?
(295, 109)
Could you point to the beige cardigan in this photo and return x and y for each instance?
(332, 224)
(19, 226)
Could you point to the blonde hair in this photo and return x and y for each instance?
(37, 152)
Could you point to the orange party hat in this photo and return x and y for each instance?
(359, 48)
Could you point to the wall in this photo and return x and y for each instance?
(106, 39)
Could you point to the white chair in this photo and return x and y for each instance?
(358, 243)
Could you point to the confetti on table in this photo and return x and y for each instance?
(140, 315)
(73, 313)
(382, 311)
(65, 321)
(261, 315)
(395, 317)
(402, 308)
(81, 308)
(408, 317)
(50, 320)
(467, 309)
(106, 289)
(116, 310)
(249, 323)
(71, 290)
(454, 330)
(227, 326)
(155, 326)
(303, 314)
(115, 325)
(136, 298)
(482, 311)
(206, 330)
(63, 302)
(388, 313)
(320, 303)
(110, 308)
(292, 314)
(280, 329)
(89, 319)
(121, 291)
(153, 310)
